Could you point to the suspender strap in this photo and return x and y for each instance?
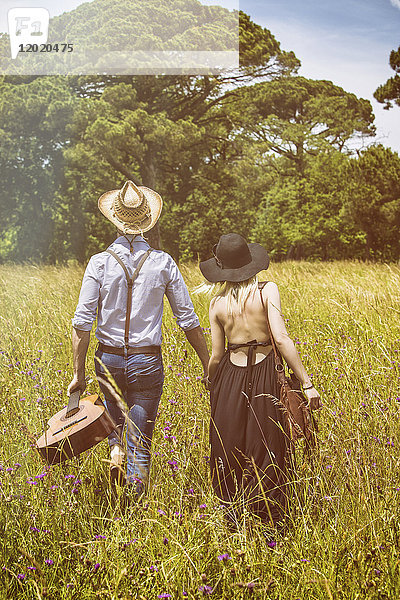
(129, 281)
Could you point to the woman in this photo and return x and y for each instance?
(250, 457)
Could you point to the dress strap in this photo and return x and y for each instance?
(247, 344)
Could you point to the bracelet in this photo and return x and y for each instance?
(309, 387)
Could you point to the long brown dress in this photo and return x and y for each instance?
(250, 450)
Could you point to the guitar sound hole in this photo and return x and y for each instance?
(74, 415)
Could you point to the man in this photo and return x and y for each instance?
(125, 286)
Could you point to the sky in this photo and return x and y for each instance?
(345, 41)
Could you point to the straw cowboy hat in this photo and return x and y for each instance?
(132, 209)
(234, 260)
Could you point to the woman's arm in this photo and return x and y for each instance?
(285, 344)
(217, 341)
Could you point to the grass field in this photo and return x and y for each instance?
(62, 538)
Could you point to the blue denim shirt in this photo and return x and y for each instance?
(104, 293)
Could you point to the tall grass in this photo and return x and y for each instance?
(63, 537)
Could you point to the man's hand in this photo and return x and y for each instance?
(78, 383)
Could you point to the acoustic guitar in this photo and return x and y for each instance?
(75, 429)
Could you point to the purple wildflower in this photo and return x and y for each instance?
(224, 557)
(174, 466)
(164, 595)
(21, 576)
(206, 590)
(48, 561)
(96, 567)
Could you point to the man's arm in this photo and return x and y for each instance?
(80, 345)
(84, 317)
(196, 339)
(182, 307)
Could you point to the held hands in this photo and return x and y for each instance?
(205, 380)
(314, 399)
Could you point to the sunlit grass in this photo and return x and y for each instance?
(62, 537)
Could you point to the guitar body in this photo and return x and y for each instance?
(66, 436)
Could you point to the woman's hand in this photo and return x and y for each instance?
(314, 399)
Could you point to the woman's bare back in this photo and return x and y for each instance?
(243, 327)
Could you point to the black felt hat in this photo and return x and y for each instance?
(234, 260)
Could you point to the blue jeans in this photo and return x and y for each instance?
(140, 379)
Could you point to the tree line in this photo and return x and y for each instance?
(259, 150)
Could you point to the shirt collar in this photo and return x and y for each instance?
(123, 240)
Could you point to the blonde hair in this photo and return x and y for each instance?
(236, 293)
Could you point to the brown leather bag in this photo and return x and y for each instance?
(300, 421)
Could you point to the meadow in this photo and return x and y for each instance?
(62, 536)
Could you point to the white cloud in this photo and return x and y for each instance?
(396, 3)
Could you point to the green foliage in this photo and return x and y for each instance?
(295, 117)
(258, 47)
(258, 150)
(389, 92)
(339, 208)
(302, 217)
(100, 27)
(374, 202)
(33, 120)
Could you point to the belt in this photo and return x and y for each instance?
(131, 350)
